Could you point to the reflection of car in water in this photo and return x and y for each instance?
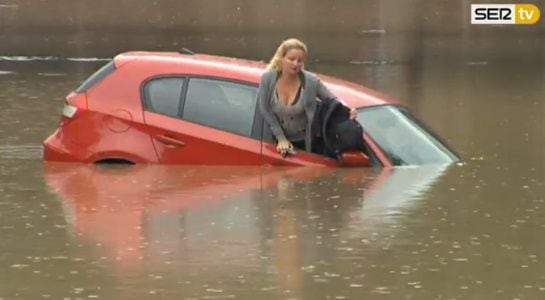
(399, 190)
(173, 108)
(165, 208)
(152, 214)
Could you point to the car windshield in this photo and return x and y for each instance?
(402, 138)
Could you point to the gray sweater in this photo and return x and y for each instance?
(292, 117)
(313, 92)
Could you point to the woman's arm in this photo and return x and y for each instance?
(264, 103)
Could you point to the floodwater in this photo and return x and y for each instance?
(466, 231)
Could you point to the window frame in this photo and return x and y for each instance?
(145, 97)
(257, 122)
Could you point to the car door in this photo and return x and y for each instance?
(212, 122)
(300, 158)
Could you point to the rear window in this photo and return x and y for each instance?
(106, 70)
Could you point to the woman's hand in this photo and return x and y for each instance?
(353, 114)
(284, 147)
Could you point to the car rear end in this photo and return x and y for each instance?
(77, 126)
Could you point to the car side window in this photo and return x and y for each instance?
(162, 95)
(224, 105)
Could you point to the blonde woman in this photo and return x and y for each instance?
(288, 98)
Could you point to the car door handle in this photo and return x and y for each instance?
(169, 141)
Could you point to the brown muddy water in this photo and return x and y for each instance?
(466, 231)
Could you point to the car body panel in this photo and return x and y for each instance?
(300, 158)
(92, 137)
(182, 142)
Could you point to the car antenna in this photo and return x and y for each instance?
(187, 51)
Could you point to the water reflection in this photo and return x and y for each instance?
(400, 188)
(279, 232)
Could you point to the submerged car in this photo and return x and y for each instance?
(176, 108)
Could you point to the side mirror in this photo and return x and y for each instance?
(354, 159)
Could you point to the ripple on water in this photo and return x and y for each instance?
(88, 59)
(21, 151)
(48, 74)
(22, 58)
(381, 290)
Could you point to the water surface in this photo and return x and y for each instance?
(471, 231)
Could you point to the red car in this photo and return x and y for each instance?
(174, 108)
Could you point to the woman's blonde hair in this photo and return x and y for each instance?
(276, 61)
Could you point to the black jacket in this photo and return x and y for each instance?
(338, 132)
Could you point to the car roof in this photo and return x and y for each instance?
(351, 94)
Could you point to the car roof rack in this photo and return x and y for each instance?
(187, 51)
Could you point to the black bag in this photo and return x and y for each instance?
(339, 132)
(346, 135)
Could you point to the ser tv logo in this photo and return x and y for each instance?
(504, 14)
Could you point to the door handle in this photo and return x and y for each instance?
(169, 141)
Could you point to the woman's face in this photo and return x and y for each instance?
(294, 61)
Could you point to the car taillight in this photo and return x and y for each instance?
(74, 104)
(69, 111)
